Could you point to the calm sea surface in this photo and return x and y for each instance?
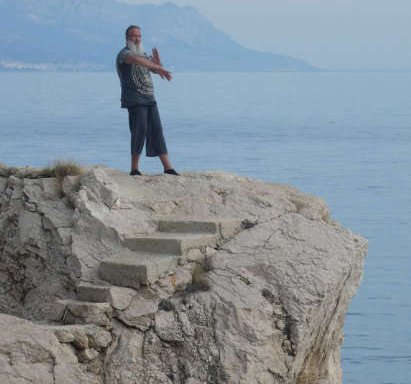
(343, 136)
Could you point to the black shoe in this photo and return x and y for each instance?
(171, 171)
(135, 172)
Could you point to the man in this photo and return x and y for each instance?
(137, 95)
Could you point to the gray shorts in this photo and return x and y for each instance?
(145, 126)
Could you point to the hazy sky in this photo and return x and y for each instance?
(335, 34)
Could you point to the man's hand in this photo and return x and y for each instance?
(164, 73)
(156, 56)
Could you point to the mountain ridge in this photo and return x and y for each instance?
(88, 34)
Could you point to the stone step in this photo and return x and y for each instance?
(135, 271)
(82, 312)
(118, 297)
(178, 226)
(223, 228)
(170, 243)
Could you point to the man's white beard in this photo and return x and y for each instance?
(138, 49)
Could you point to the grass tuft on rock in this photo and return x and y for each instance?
(60, 169)
(63, 168)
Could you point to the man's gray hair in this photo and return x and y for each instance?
(129, 28)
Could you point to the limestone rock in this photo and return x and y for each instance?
(282, 276)
(121, 297)
(35, 235)
(87, 355)
(29, 353)
(100, 187)
(90, 313)
(98, 338)
(167, 328)
(140, 313)
(65, 336)
(82, 336)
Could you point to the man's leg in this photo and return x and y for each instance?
(137, 117)
(165, 161)
(134, 161)
(156, 145)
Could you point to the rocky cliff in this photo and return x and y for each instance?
(202, 278)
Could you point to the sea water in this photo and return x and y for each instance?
(345, 137)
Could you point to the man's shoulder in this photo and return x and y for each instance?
(123, 52)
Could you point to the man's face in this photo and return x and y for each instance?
(135, 36)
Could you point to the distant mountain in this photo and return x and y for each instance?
(87, 34)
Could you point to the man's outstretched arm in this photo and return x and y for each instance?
(141, 60)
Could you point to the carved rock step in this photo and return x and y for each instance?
(170, 243)
(178, 226)
(137, 271)
(118, 297)
(222, 228)
(81, 312)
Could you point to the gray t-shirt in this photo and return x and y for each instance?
(135, 80)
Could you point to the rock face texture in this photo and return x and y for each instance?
(202, 278)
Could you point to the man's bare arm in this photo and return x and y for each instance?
(141, 60)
